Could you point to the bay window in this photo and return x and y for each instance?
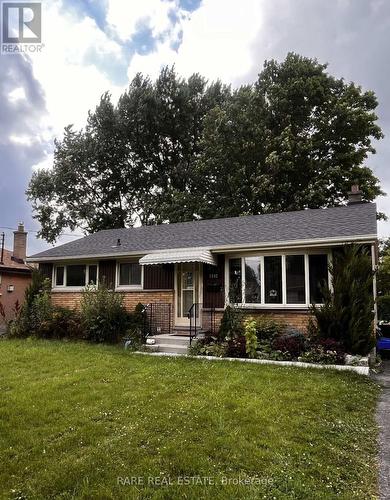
(278, 280)
(252, 280)
(295, 279)
(75, 275)
(273, 279)
(318, 277)
(235, 289)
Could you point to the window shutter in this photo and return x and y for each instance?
(159, 277)
(107, 270)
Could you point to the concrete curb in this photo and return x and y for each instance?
(361, 370)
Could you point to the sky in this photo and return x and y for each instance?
(91, 46)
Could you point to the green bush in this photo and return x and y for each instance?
(347, 313)
(231, 324)
(201, 348)
(250, 337)
(321, 355)
(267, 328)
(103, 315)
(35, 305)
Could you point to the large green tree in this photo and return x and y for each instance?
(176, 149)
(296, 139)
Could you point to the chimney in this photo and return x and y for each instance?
(20, 243)
(355, 195)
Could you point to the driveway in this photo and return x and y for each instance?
(383, 419)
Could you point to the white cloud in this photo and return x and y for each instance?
(18, 94)
(125, 17)
(72, 82)
(217, 40)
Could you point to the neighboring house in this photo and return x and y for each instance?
(15, 275)
(268, 264)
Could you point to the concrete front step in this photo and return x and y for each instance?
(172, 348)
(171, 339)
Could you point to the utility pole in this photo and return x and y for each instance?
(2, 248)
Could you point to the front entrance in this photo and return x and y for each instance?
(187, 291)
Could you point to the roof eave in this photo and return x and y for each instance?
(365, 238)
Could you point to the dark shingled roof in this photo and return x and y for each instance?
(355, 220)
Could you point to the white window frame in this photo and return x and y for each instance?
(283, 254)
(64, 286)
(119, 287)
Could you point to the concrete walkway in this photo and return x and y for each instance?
(383, 419)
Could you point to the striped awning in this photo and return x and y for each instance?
(174, 256)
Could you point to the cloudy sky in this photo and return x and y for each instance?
(91, 46)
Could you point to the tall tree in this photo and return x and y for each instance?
(296, 139)
(176, 149)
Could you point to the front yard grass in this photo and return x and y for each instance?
(75, 417)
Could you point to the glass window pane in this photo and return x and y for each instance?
(59, 276)
(92, 277)
(75, 275)
(235, 292)
(295, 279)
(273, 279)
(130, 274)
(318, 276)
(252, 280)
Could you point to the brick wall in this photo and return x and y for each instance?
(131, 299)
(8, 299)
(294, 319)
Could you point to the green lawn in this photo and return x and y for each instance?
(75, 417)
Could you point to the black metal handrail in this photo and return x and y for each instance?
(196, 315)
(193, 315)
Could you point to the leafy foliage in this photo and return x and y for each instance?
(179, 149)
(250, 337)
(267, 328)
(38, 317)
(347, 313)
(231, 324)
(103, 315)
(293, 344)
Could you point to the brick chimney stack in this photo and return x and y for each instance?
(20, 243)
(355, 195)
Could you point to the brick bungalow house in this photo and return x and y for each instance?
(15, 274)
(269, 264)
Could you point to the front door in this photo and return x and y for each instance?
(187, 290)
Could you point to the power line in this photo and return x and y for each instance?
(74, 235)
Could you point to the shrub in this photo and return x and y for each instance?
(321, 355)
(136, 325)
(292, 344)
(268, 328)
(202, 348)
(103, 315)
(347, 313)
(24, 322)
(231, 324)
(65, 323)
(250, 337)
(236, 348)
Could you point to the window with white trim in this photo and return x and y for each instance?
(129, 274)
(75, 275)
(278, 280)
